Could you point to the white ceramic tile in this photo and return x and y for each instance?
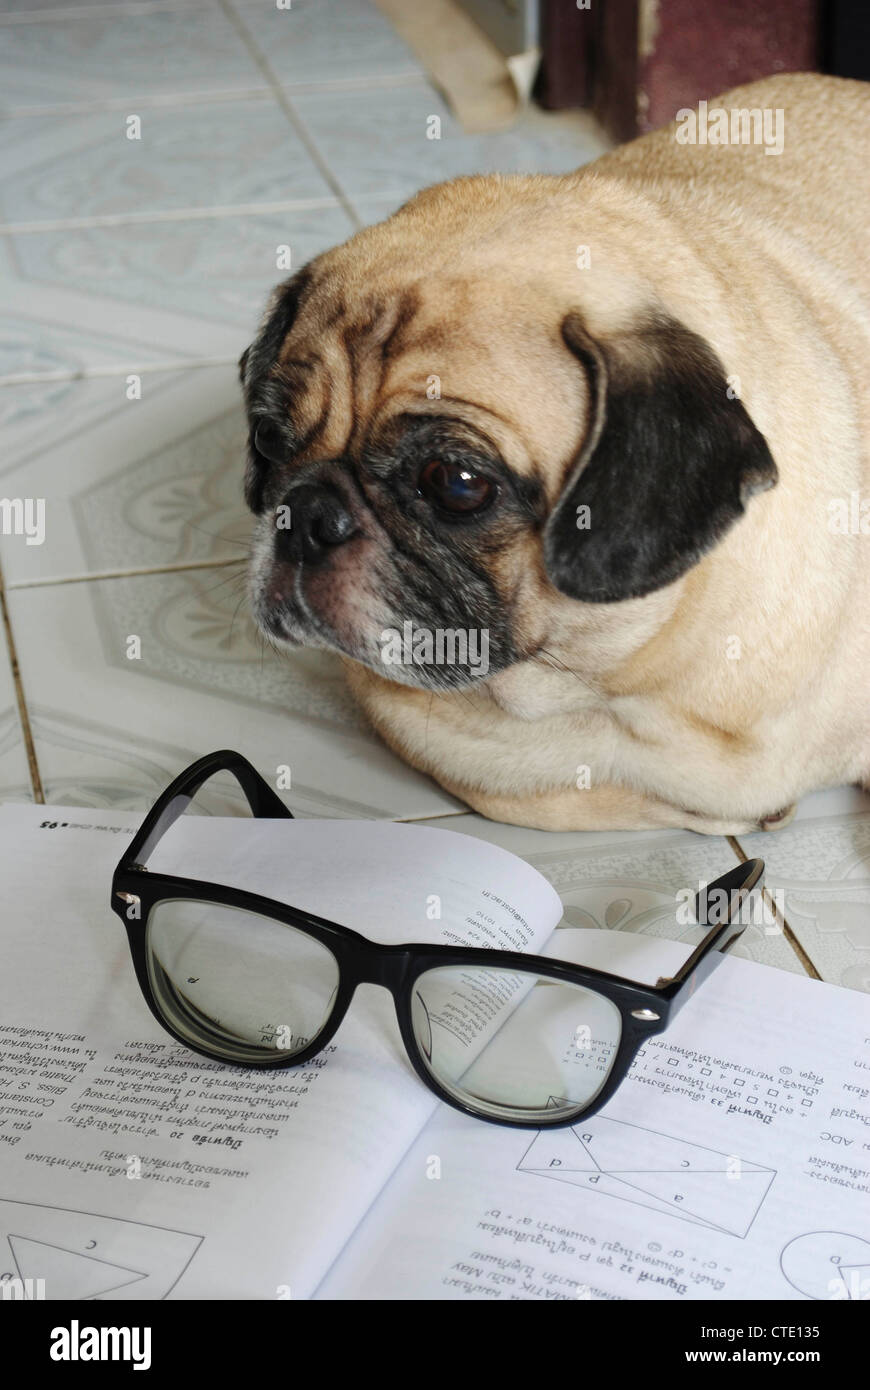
(202, 155)
(31, 346)
(156, 275)
(132, 55)
(326, 40)
(110, 730)
(376, 142)
(45, 11)
(145, 484)
(820, 864)
(15, 784)
(627, 880)
(62, 330)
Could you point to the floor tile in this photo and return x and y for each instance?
(133, 56)
(40, 338)
(820, 865)
(627, 880)
(326, 40)
(159, 280)
(141, 484)
(201, 155)
(110, 730)
(376, 141)
(43, 10)
(60, 330)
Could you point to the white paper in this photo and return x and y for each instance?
(132, 1168)
(733, 1162)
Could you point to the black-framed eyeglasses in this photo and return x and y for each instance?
(515, 1039)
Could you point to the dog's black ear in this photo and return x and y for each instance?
(669, 460)
(260, 356)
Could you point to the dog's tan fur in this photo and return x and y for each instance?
(765, 257)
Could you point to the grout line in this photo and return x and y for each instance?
(23, 715)
(147, 101)
(17, 586)
(180, 364)
(216, 211)
(118, 11)
(156, 101)
(787, 931)
(286, 105)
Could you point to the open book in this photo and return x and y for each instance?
(732, 1162)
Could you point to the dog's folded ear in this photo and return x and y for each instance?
(669, 460)
(281, 314)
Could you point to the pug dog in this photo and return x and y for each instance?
(573, 472)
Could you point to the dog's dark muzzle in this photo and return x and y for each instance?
(310, 522)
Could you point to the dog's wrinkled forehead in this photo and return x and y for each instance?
(322, 360)
(334, 361)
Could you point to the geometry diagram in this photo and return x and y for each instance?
(80, 1255)
(657, 1171)
(828, 1265)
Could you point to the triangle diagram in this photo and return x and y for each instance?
(729, 1203)
(614, 1187)
(658, 1171)
(558, 1148)
(68, 1273)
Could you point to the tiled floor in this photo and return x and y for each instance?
(132, 274)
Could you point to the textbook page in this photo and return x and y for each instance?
(732, 1163)
(131, 1167)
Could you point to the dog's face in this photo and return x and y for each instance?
(441, 444)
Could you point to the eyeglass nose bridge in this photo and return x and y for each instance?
(375, 964)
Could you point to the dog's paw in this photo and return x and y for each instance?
(778, 819)
(708, 825)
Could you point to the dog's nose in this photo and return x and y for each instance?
(316, 522)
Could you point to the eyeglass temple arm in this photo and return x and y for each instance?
(174, 801)
(730, 892)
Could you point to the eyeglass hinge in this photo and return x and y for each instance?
(139, 868)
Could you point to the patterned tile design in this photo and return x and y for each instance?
(131, 56)
(213, 154)
(628, 882)
(327, 41)
(128, 679)
(408, 139)
(139, 483)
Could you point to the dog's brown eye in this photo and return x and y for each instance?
(454, 487)
(268, 441)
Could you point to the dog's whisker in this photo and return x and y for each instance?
(235, 615)
(224, 540)
(227, 579)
